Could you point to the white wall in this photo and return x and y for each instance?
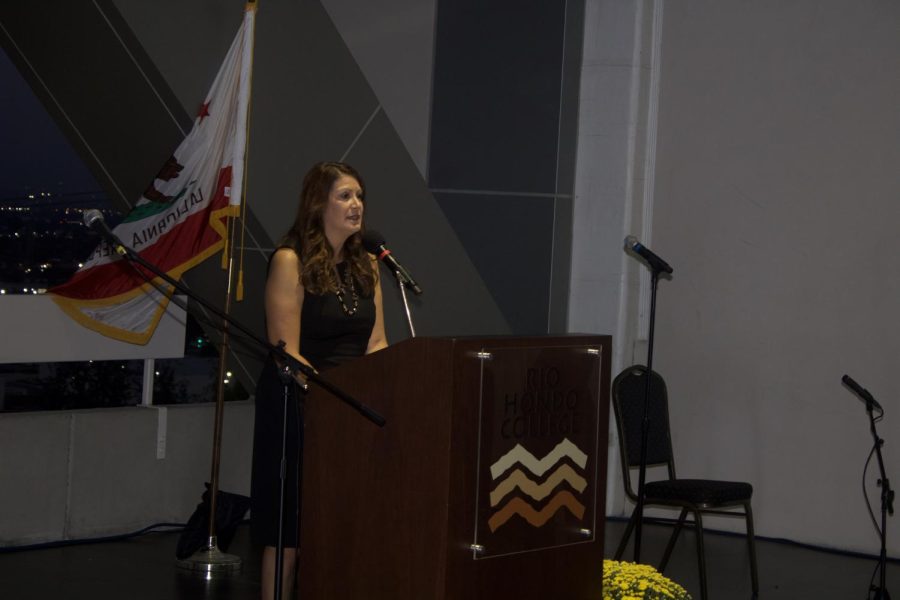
(775, 200)
(613, 184)
(35, 329)
(88, 473)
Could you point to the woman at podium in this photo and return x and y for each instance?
(323, 300)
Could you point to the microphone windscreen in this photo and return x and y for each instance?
(372, 241)
(90, 216)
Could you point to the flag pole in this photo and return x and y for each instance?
(210, 560)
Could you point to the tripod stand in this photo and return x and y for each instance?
(657, 266)
(880, 591)
(877, 592)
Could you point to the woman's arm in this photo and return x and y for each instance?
(284, 301)
(378, 339)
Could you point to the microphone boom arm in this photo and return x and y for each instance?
(294, 365)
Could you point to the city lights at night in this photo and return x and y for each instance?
(45, 188)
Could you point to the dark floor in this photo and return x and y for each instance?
(786, 571)
(143, 568)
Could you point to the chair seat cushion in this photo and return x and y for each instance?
(706, 492)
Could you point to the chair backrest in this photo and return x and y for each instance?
(628, 396)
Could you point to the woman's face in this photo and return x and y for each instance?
(343, 214)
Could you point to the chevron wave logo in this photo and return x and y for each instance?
(536, 489)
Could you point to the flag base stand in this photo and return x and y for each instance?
(211, 561)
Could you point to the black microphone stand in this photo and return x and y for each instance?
(287, 378)
(291, 367)
(887, 506)
(645, 422)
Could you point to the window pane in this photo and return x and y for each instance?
(44, 189)
(193, 378)
(68, 385)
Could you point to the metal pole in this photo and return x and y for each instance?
(210, 559)
(645, 424)
(402, 283)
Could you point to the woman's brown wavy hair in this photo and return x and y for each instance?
(307, 235)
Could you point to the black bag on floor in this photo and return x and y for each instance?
(230, 511)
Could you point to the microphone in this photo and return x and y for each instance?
(374, 242)
(656, 263)
(93, 219)
(861, 392)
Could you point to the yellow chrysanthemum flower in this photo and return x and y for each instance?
(630, 581)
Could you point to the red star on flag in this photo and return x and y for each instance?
(204, 111)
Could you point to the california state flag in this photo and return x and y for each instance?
(180, 219)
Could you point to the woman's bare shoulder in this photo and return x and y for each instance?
(285, 257)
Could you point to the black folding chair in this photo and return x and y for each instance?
(695, 496)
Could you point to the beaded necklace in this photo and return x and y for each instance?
(347, 285)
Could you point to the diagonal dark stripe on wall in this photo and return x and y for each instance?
(509, 239)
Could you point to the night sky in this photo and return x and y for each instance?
(34, 154)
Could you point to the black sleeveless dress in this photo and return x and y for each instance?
(328, 337)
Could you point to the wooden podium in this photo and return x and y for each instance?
(488, 481)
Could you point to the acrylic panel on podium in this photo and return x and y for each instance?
(537, 447)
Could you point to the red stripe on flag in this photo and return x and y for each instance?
(183, 242)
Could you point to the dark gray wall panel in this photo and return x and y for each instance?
(496, 95)
(392, 41)
(456, 301)
(561, 265)
(202, 29)
(570, 90)
(310, 101)
(511, 243)
(504, 120)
